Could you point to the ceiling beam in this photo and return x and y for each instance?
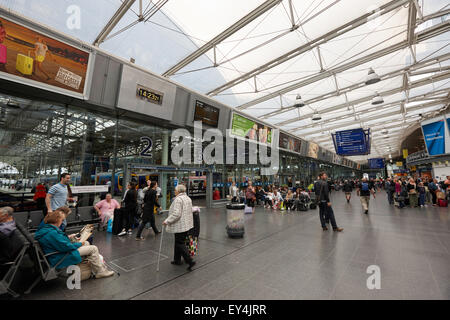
(376, 117)
(421, 36)
(362, 84)
(124, 7)
(412, 85)
(310, 45)
(267, 5)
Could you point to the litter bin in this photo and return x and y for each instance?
(235, 220)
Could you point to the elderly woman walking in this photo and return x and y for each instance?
(179, 222)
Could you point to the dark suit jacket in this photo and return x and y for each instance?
(150, 201)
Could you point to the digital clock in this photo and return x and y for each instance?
(149, 95)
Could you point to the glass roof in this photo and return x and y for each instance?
(258, 55)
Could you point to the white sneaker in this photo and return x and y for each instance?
(122, 233)
(104, 274)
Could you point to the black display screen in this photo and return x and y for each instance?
(206, 113)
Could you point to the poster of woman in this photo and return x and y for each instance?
(35, 57)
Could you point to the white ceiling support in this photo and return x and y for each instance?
(412, 13)
(291, 10)
(344, 90)
(311, 44)
(320, 59)
(372, 118)
(421, 36)
(418, 9)
(415, 84)
(381, 107)
(113, 21)
(267, 5)
(434, 15)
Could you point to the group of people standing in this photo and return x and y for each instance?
(417, 192)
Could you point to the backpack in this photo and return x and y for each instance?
(365, 186)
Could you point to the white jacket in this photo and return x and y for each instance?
(180, 217)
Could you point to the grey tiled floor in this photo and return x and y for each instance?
(285, 256)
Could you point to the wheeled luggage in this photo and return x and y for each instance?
(442, 203)
(24, 64)
(313, 205)
(3, 54)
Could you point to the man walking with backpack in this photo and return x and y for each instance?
(364, 190)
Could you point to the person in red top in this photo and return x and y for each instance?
(39, 197)
(216, 194)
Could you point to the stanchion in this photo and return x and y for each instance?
(160, 246)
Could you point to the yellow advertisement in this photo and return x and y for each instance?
(405, 153)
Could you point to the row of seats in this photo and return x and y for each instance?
(78, 217)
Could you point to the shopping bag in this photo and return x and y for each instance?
(248, 209)
(192, 245)
(110, 225)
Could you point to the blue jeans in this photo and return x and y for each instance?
(326, 213)
(422, 199)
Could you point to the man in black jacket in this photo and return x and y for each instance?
(325, 209)
(150, 201)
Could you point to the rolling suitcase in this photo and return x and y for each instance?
(3, 54)
(24, 64)
(313, 205)
(442, 203)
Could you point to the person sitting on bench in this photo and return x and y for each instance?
(9, 247)
(52, 239)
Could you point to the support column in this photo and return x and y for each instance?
(114, 160)
(209, 183)
(87, 167)
(164, 162)
(63, 139)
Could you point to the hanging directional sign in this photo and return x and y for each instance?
(352, 142)
(376, 163)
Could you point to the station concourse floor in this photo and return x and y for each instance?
(283, 256)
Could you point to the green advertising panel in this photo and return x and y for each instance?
(246, 128)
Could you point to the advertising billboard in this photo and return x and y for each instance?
(289, 143)
(434, 135)
(33, 58)
(243, 127)
(313, 150)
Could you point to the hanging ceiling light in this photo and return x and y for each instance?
(299, 102)
(377, 99)
(372, 77)
(316, 116)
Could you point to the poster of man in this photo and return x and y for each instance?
(31, 55)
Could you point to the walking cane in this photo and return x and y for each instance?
(160, 246)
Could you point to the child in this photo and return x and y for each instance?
(422, 193)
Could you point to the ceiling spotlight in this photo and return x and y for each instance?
(316, 117)
(372, 77)
(299, 102)
(377, 99)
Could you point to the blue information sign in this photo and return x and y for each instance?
(352, 142)
(434, 134)
(376, 163)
